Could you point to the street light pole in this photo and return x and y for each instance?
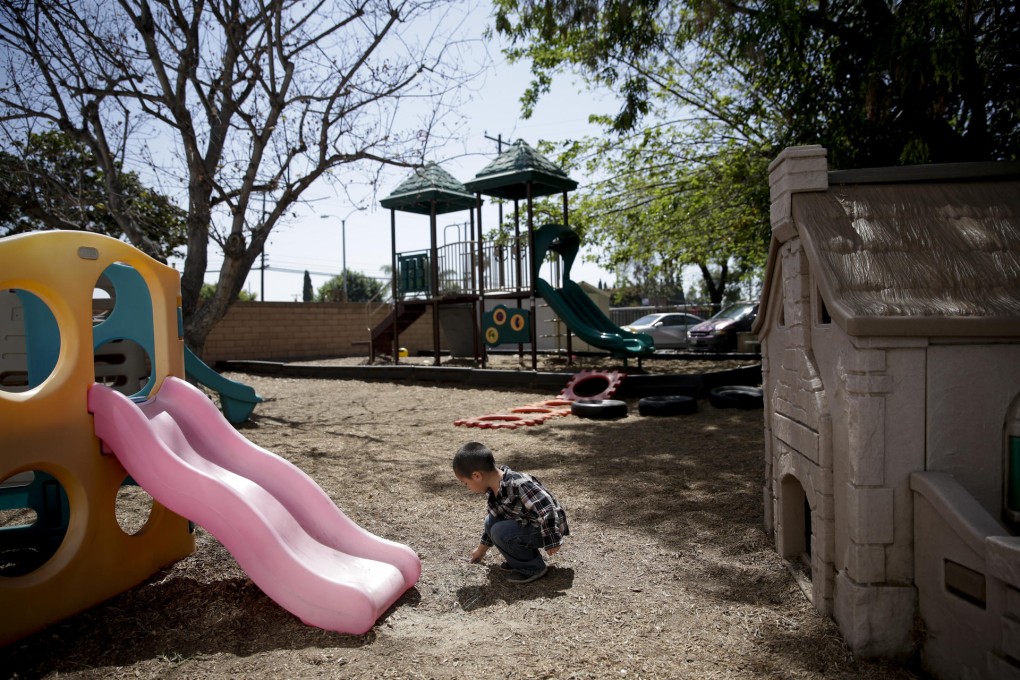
(343, 246)
(343, 252)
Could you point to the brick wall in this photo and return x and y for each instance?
(277, 331)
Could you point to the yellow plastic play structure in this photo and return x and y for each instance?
(46, 430)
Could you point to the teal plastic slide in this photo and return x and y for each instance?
(573, 306)
(237, 400)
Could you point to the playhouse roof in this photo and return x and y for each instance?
(513, 170)
(427, 186)
(913, 251)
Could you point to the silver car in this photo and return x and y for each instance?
(668, 329)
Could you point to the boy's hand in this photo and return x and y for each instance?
(553, 550)
(478, 554)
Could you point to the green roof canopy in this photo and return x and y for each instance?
(428, 186)
(509, 175)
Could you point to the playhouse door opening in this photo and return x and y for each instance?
(795, 533)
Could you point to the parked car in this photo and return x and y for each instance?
(668, 330)
(720, 332)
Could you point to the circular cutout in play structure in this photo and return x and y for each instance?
(506, 421)
(670, 405)
(736, 396)
(34, 520)
(123, 365)
(30, 342)
(592, 384)
(133, 507)
(599, 409)
(122, 335)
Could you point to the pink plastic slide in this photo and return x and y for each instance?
(280, 526)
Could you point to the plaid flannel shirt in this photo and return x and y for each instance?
(522, 497)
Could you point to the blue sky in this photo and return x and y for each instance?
(313, 242)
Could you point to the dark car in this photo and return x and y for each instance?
(720, 332)
(668, 329)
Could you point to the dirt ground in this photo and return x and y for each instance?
(668, 572)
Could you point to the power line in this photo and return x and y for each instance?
(287, 270)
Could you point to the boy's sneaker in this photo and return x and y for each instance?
(505, 566)
(518, 577)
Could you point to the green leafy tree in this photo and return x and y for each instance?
(876, 83)
(653, 219)
(711, 90)
(307, 292)
(51, 181)
(360, 288)
(209, 292)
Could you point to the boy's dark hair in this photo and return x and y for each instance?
(473, 457)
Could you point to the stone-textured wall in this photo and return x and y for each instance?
(845, 427)
(970, 392)
(276, 331)
(800, 430)
(853, 472)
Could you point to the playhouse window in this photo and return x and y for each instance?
(965, 583)
(1011, 468)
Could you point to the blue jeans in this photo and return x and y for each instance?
(517, 543)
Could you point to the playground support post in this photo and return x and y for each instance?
(534, 277)
(393, 283)
(570, 346)
(434, 284)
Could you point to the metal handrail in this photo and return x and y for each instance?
(457, 268)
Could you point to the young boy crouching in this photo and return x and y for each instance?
(523, 515)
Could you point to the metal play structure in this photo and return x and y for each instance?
(470, 284)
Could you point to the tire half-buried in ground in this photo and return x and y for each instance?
(668, 405)
(599, 409)
(736, 396)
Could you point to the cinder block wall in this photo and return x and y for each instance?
(278, 331)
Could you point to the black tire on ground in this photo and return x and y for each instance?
(736, 396)
(599, 409)
(671, 405)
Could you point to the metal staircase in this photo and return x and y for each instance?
(397, 321)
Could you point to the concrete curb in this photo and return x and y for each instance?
(634, 386)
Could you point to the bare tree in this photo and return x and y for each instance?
(238, 106)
